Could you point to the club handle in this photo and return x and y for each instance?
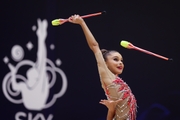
(150, 53)
(90, 15)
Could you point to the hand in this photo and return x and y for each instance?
(110, 104)
(75, 19)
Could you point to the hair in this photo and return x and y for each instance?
(105, 53)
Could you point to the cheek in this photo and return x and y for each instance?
(110, 66)
(111, 63)
(108, 63)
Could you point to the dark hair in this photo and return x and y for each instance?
(105, 53)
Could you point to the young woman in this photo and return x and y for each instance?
(121, 102)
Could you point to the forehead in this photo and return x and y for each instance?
(115, 54)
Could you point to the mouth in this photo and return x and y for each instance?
(120, 67)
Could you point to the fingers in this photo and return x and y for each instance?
(103, 101)
(119, 100)
(109, 101)
(73, 18)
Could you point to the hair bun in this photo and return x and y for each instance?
(104, 51)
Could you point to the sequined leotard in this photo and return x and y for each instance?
(125, 110)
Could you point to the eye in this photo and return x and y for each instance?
(116, 59)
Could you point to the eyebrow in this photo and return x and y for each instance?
(117, 57)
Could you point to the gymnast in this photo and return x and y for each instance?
(120, 102)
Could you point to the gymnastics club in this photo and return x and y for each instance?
(60, 21)
(129, 45)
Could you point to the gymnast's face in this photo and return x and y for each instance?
(114, 62)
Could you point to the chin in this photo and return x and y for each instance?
(119, 72)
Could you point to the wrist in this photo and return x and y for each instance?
(111, 110)
(82, 23)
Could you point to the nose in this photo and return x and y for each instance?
(120, 62)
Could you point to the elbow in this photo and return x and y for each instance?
(95, 44)
(95, 47)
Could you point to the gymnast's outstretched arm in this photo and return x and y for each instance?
(105, 74)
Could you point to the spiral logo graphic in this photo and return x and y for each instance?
(17, 53)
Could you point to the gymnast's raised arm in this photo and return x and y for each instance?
(104, 72)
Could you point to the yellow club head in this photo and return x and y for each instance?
(124, 43)
(56, 22)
